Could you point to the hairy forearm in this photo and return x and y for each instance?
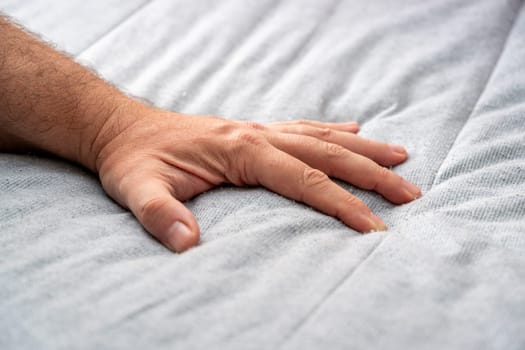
(49, 102)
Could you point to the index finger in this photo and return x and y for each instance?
(290, 177)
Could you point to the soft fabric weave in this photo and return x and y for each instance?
(445, 78)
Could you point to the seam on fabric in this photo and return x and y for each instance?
(481, 94)
(274, 5)
(115, 26)
(331, 292)
(304, 46)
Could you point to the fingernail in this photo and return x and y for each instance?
(412, 189)
(376, 223)
(398, 149)
(178, 236)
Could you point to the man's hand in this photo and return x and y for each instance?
(161, 159)
(151, 160)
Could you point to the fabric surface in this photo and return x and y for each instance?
(445, 78)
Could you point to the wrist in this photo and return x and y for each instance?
(121, 116)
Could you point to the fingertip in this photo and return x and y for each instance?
(403, 194)
(398, 154)
(398, 149)
(409, 197)
(411, 191)
(366, 223)
(352, 127)
(376, 224)
(180, 237)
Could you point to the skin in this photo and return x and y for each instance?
(150, 160)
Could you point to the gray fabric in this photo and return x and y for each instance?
(445, 78)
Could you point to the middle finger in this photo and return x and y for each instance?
(339, 162)
(382, 153)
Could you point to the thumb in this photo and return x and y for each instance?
(166, 218)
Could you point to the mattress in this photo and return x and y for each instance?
(444, 78)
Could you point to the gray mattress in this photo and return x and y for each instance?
(445, 78)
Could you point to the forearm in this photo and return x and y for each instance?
(49, 102)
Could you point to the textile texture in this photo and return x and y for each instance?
(445, 78)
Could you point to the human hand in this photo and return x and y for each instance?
(158, 159)
(151, 160)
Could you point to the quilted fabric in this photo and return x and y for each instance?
(445, 78)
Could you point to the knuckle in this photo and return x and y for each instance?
(245, 136)
(223, 128)
(349, 204)
(244, 145)
(151, 210)
(314, 177)
(254, 125)
(334, 150)
(325, 133)
(354, 202)
(383, 172)
(381, 175)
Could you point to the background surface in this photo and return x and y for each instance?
(444, 78)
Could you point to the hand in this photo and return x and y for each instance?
(150, 160)
(158, 159)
